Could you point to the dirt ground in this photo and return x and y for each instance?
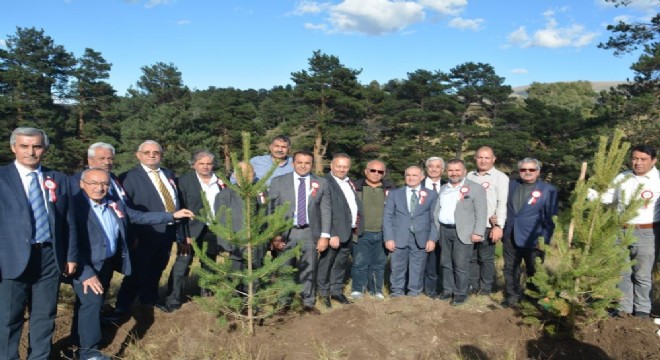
(401, 328)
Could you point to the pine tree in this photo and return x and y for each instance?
(251, 294)
(577, 284)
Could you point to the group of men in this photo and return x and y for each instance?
(439, 235)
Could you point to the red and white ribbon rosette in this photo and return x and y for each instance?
(115, 207)
(221, 184)
(352, 185)
(315, 187)
(485, 185)
(51, 185)
(535, 195)
(172, 183)
(464, 191)
(422, 196)
(262, 198)
(647, 195)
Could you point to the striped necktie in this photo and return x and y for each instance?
(167, 197)
(302, 203)
(36, 198)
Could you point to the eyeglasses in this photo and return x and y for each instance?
(148, 153)
(381, 172)
(94, 183)
(527, 170)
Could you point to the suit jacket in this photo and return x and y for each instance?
(397, 219)
(319, 207)
(190, 193)
(16, 222)
(145, 197)
(91, 238)
(341, 213)
(470, 214)
(112, 192)
(231, 200)
(534, 218)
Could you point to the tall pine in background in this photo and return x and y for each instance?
(577, 284)
(250, 294)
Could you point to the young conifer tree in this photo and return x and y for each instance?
(252, 293)
(577, 283)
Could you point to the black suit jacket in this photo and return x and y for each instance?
(16, 222)
(341, 213)
(190, 192)
(145, 197)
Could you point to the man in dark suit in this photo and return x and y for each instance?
(102, 226)
(38, 242)
(435, 165)
(149, 188)
(101, 155)
(409, 232)
(460, 216)
(346, 212)
(531, 204)
(191, 186)
(310, 211)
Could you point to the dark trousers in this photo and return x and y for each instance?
(38, 284)
(407, 265)
(482, 265)
(306, 264)
(181, 268)
(148, 261)
(369, 260)
(332, 269)
(433, 272)
(455, 262)
(86, 324)
(513, 258)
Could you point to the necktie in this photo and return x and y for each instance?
(413, 201)
(435, 187)
(302, 203)
(36, 198)
(167, 197)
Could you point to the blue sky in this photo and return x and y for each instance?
(259, 43)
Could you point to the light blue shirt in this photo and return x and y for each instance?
(109, 225)
(262, 163)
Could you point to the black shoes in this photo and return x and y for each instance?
(167, 308)
(311, 309)
(327, 302)
(341, 298)
(458, 301)
(443, 296)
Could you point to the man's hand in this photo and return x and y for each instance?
(390, 245)
(476, 238)
(71, 268)
(493, 220)
(94, 284)
(322, 244)
(183, 213)
(278, 243)
(430, 246)
(496, 234)
(334, 242)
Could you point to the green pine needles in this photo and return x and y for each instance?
(244, 290)
(577, 283)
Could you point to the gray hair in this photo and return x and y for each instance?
(198, 154)
(435, 158)
(150, 142)
(99, 145)
(536, 163)
(82, 175)
(31, 132)
(457, 161)
(421, 171)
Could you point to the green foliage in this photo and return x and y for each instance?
(248, 294)
(577, 282)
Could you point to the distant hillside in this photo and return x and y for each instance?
(598, 86)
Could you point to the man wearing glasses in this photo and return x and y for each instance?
(531, 204)
(369, 254)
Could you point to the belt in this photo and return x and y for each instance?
(41, 245)
(642, 226)
(301, 227)
(449, 226)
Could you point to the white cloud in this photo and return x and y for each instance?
(445, 7)
(378, 17)
(183, 22)
(552, 35)
(623, 18)
(466, 24)
(154, 3)
(519, 71)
